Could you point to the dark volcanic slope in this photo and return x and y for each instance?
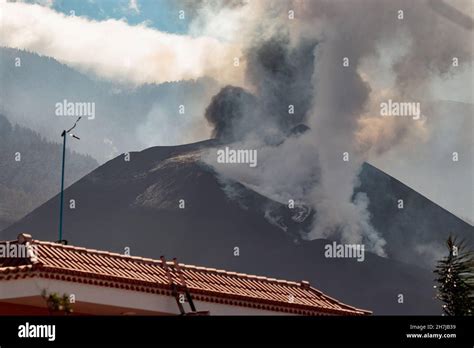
(417, 233)
(136, 204)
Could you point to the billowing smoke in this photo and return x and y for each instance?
(230, 111)
(367, 51)
(281, 78)
(282, 75)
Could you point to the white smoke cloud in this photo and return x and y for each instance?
(346, 113)
(115, 50)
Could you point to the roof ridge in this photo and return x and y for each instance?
(170, 263)
(319, 292)
(101, 252)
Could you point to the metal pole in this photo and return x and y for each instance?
(62, 190)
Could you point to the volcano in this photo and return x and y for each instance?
(166, 201)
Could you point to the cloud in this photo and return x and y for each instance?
(115, 50)
(47, 3)
(133, 5)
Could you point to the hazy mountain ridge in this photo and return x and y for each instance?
(127, 117)
(36, 176)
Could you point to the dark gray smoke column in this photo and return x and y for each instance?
(229, 112)
(281, 76)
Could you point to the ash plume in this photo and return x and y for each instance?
(339, 103)
(230, 111)
(281, 74)
(281, 78)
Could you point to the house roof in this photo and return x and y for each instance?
(89, 266)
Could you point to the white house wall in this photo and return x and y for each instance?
(134, 300)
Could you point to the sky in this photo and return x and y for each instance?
(159, 14)
(145, 61)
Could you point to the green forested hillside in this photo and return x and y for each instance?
(30, 170)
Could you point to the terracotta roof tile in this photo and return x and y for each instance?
(209, 284)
